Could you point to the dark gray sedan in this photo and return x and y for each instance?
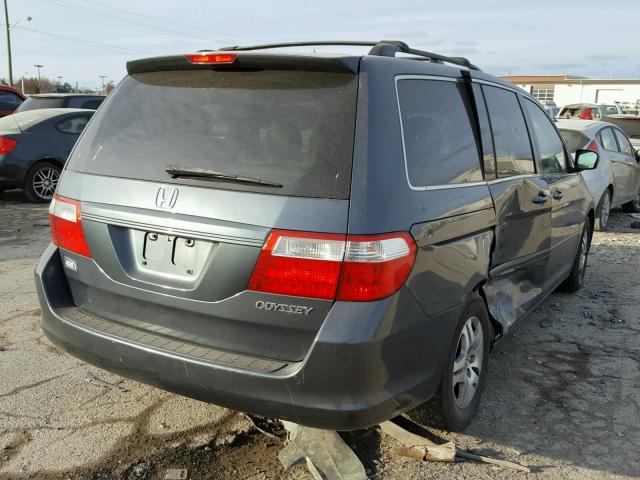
(34, 146)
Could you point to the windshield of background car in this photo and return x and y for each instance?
(289, 127)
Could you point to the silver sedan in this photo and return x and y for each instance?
(616, 180)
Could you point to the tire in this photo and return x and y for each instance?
(603, 211)
(450, 408)
(575, 280)
(633, 206)
(41, 181)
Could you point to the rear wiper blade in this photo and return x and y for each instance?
(176, 171)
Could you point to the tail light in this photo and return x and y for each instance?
(211, 58)
(333, 266)
(593, 146)
(66, 225)
(7, 145)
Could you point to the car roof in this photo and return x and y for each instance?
(53, 112)
(582, 125)
(65, 95)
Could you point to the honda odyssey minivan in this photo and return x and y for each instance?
(328, 239)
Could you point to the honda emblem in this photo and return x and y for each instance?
(166, 197)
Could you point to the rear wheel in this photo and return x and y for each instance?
(604, 210)
(456, 402)
(575, 280)
(633, 206)
(41, 182)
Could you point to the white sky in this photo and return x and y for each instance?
(579, 37)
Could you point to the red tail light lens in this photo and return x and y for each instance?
(211, 58)
(593, 146)
(66, 225)
(7, 145)
(331, 266)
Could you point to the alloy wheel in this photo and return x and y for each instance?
(584, 250)
(605, 209)
(45, 181)
(467, 365)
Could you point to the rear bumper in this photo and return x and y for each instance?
(355, 375)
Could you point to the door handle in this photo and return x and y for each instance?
(540, 198)
(557, 195)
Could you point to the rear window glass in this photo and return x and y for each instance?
(33, 103)
(9, 100)
(440, 145)
(292, 128)
(574, 140)
(510, 136)
(85, 102)
(608, 140)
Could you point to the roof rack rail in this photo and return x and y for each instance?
(384, 48)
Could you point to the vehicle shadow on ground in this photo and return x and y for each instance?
(565, 383)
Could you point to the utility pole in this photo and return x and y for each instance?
(59, 77)
(102, 77)
(6, 21)
(38, 67)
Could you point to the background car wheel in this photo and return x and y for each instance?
(41, 182)
(633, 206)
(604, 210)
(464, 377)
(575, 280)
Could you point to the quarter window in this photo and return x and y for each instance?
(607, 139)
(510, 137)
(625, 146)
(552, 155)
(73, 125)
(437, 124)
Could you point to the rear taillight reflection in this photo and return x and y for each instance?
(593, 146)
(66, 225)
(7, 145)
(333, 266)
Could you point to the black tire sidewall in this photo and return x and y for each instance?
(600, 226)
(456, 419)
(28, 183)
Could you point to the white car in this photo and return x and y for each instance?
(616, 180)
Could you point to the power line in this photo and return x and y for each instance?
(161, 20)
(146, 24)
(89, 43)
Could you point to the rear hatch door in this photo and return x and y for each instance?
(182, 174)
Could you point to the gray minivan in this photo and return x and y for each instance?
(328, 239)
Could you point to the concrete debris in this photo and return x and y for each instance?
(326, 455)
(176, 474)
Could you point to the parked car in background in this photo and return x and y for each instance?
(10, 99)
(616, 180)
(34, 146)
(295, 242)
(588, 111)
(61, 100)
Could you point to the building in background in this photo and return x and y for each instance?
(568, 89)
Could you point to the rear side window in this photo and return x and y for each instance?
(85, 102)
(287, 127)
(73, 125)
(625, 146)
(551, 149)
(510, 137)
(607, 139)
(611, 110)
(437, 124)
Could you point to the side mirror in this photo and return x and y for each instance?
(638, 154)
(586, 160)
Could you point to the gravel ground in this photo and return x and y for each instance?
(563, 396)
